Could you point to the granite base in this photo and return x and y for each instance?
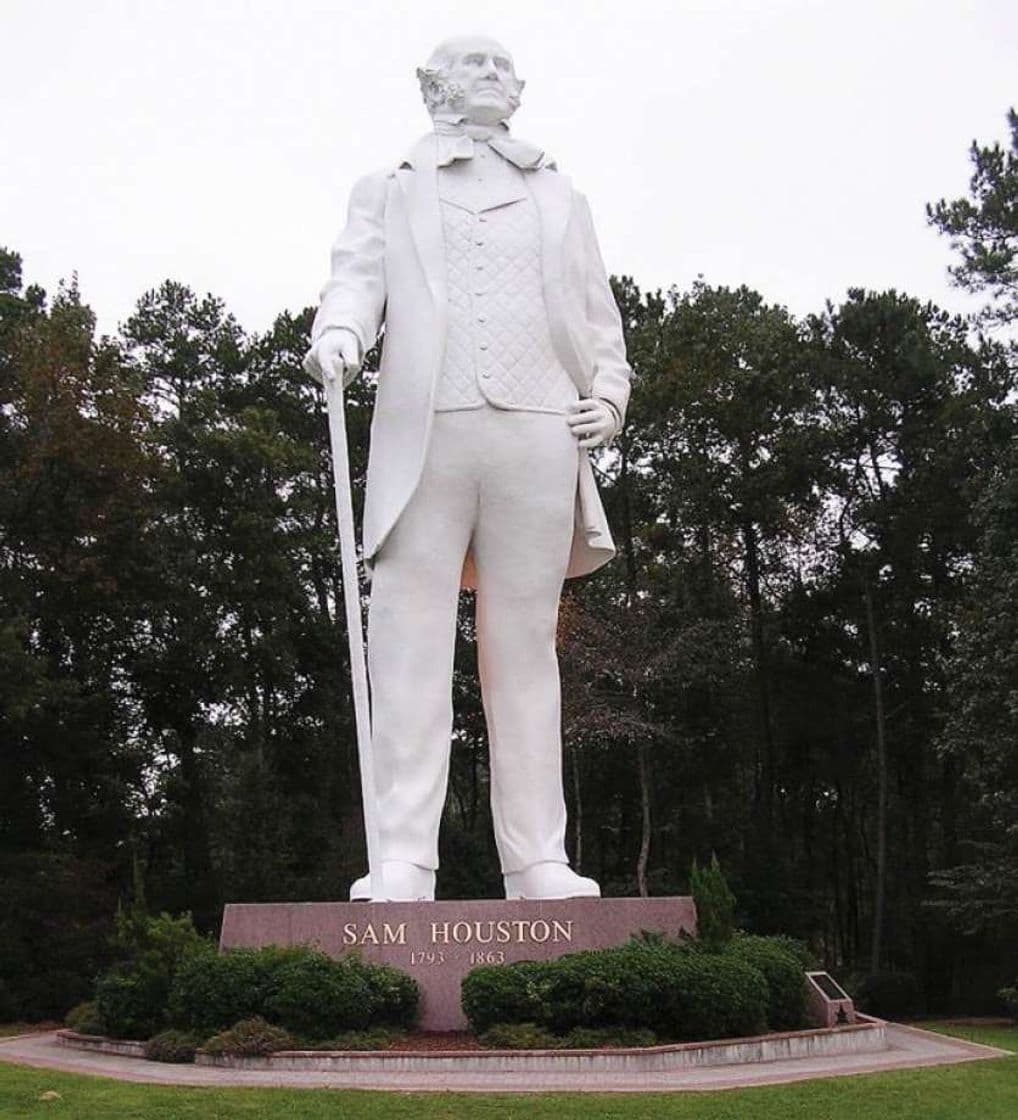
(438, 943)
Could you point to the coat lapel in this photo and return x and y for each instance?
(418, 177)
(553, 194)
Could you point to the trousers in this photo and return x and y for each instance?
(501, 486)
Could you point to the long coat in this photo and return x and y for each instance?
(388, 265)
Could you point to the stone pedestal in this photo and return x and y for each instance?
(438, 943)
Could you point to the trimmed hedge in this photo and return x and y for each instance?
(301, 989)
(671, 989)
(783, 971)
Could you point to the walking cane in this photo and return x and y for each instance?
(354, 625)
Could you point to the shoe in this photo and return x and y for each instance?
(549, 880)
(401, 882)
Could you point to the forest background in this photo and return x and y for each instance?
(804, 659)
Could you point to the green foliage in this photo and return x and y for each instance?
(54, 926)
(786, 981)
(250, 1038)
(302, 989)
(504, 994)
(212, 990)
(672, 990)
(1009, 997)
(132, 997)
(173, 1046)
(715, 904)
(889, 995)
(84, 1018)
(984, 227)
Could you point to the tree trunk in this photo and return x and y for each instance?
(641, 862)
(878, 700)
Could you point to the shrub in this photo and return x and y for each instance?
(891, 995)
(499, 994)
(394, 994)
(317, 996)
(669, 989)
(250, 1038)
(84, 1018)
(300, 988)
(783, 971)
(1010, 998)
(132, 1002)
(212, 990)
(715, 904)
(132, 997)
(173, 1046)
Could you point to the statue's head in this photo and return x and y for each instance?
(472, 77)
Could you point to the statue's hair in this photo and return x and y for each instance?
(439, 92)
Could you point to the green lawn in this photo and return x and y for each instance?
(973, 1091)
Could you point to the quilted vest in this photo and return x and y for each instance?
(498, 346)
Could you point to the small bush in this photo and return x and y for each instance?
(518, 1036)
(715, 904)
(84, 1018)
(132, 997)
(212, 990)
(317, 996)
(890, 995)
(394, 994)
(500, 994)
(783, 971)
(173, 1046)
(132, 1002)
(1010, 999)
(250, 1038)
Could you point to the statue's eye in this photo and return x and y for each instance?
(502, 64)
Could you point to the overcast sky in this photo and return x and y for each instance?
(788, 145)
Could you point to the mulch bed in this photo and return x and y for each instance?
(418, 1041)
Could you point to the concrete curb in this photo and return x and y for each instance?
(908, 1049)
(788, 1046)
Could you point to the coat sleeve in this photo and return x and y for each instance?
(611, 370)
(354, 296)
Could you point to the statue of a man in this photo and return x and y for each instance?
(503, 363)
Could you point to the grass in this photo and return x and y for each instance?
(972, 1091)
(993, 1032)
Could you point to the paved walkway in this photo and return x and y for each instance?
(910, 1048)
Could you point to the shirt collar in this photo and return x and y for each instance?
(454, 139)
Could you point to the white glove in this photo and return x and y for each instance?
(337, 354)
(594, 422)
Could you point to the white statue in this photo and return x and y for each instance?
(503, 362)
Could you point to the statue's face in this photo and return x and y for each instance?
(483, 70)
